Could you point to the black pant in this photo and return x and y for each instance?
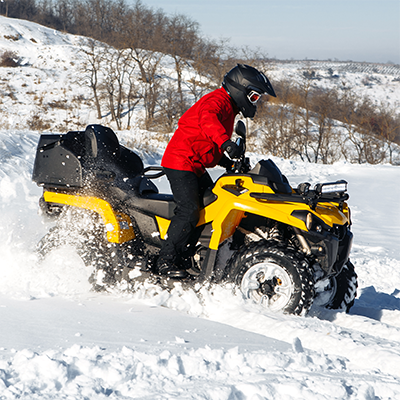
(188, 190)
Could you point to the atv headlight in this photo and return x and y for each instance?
(332, 187)
(309, 221)
(312, 222)
(304, 188)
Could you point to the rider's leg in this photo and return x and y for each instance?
(185, 188)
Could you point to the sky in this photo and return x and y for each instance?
(357, 30)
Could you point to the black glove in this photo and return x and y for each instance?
(246, 165)
(232, 149)
(227, 163)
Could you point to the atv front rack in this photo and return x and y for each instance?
(311, 198)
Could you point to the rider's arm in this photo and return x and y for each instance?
(212, 114)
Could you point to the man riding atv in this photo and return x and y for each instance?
(288, 247)
(203, 135)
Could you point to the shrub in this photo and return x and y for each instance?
(10, 59)
(36, 123)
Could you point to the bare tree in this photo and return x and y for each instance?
(278, 124)
(138, 41)
(181, 39)
(91, 67)
(24, 9)
(205, 68)
(170, 107)
(120, 85)
(386, 125)
(99, 18)
(109, 84)
(303, 100)
(4, 8)
(134, 94)
(363, 143)
(197, 85)
(213, 59)
(322, 104)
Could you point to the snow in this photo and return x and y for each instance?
(377, 81)
(60, 340)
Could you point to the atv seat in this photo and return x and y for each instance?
(162, 205)
(102, 149)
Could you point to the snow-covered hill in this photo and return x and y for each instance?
(59, 340)
(47, 86)
(380, 82)
(45, 80)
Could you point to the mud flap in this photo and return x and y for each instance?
(207, 267)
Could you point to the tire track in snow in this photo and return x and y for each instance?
(359, 342)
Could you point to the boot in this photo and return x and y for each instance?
(169, 269)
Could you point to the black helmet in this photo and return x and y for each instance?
(245, 85)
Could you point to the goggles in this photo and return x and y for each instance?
(253, 97)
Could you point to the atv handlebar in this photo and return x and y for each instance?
(241, 165)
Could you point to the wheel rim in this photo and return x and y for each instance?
(269, 285)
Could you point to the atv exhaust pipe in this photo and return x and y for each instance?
(303, 242)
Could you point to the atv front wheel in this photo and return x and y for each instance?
(273, 276)
(339, 292)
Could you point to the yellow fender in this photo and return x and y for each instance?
(118, 225)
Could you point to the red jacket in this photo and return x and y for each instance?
(196, 144)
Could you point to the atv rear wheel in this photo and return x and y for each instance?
(273, 276)
(340, 291)
(97, 254)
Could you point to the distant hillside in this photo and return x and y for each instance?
(342, 66)
(47, 84)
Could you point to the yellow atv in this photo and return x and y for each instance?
(282, 247)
